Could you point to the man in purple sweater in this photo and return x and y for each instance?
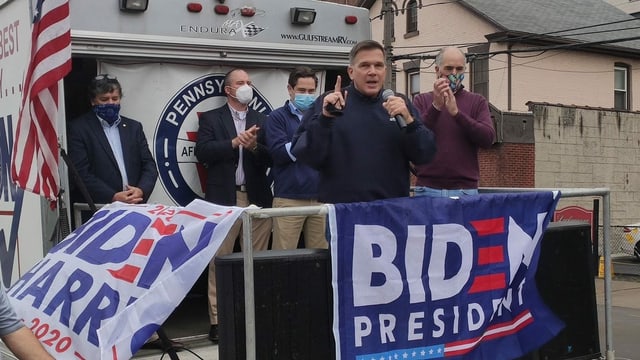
(461, 123)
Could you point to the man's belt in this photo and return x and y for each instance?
(241, 188)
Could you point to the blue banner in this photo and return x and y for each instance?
(426, 278)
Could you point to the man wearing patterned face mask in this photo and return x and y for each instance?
(295, 183)
(461, 123)
(231, 146)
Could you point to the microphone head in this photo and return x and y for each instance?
(386, 93)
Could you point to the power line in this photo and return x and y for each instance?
(383, 11)
(423, 69)
(535, 49)
(524, 36)
(556, 32)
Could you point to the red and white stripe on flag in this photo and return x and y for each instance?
(34, 162)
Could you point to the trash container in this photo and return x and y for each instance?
(293, 305)
(565, 280)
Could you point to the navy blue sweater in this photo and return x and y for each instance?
(361, 155)
(292, 179)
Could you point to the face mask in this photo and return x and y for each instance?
(244, 94)
(455, 81)
(303, 101)
(108, 112)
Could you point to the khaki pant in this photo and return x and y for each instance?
(287, 229)
(261, 231)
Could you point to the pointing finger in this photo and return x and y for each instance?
(338, 87)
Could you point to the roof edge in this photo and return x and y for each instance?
(584, 107)
(516, 37)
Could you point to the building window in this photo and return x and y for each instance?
(479, 70)
(413, 84)
(412, 16)
(621, 87)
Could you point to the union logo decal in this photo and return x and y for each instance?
(182, 177)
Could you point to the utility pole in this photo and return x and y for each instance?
(388, 38)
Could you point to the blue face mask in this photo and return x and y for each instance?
(303, 101)
(455, 81)
(108, 112)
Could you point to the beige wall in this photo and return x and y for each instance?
(590, 148)
(575, 147)
(558, 77)
(438, 26)
(628, 6)
(376, 24)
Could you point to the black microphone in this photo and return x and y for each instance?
(399, 118)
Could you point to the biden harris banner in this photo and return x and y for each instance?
(428, 278)
(103, 291)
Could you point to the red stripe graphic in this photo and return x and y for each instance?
(487, 283)
(516, 324)
(127, 273)
(489, 226)
(490, 255)
(143, 247)
(163, 229)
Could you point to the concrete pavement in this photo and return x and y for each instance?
(624, 293)
(625, 302)
(196, 349)
(625, 317)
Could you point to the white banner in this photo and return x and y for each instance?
(111, 283)
(167, 99)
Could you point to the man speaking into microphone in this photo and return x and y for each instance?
(361, 138)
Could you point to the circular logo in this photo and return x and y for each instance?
(183, 178)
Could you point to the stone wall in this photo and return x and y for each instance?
(580, 147)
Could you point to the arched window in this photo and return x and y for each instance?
(412, 16)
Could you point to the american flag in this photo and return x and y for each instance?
(34, 163)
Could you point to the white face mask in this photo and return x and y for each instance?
(244, 94)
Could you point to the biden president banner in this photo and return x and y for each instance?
(428, 278)
(101, 292)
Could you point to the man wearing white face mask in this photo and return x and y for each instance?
(231, 147)
(295, 183)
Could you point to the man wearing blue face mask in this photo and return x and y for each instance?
(111, 155)
(110, 151)
(295, 183)
(462, 124)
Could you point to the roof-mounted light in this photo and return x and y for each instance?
(134, 5)
(302, 16)
(350, 19)
(221, 9)
(247, 11)
(194, 7)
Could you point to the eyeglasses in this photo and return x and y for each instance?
(451, 68)
(105, 77)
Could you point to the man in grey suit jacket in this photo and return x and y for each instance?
(231, 146)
